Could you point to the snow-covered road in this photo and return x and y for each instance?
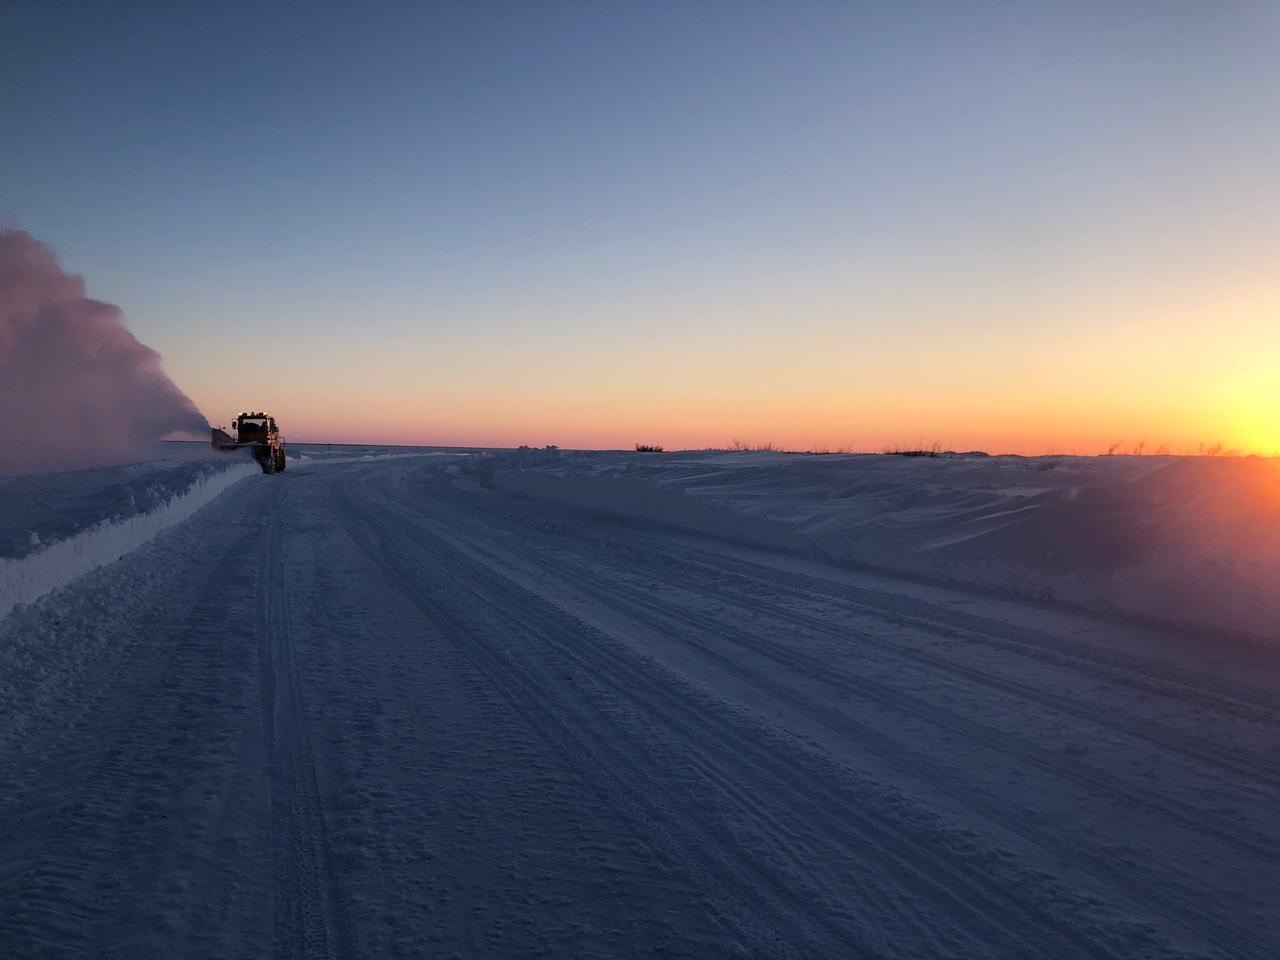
(376, 709)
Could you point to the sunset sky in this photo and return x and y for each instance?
(1010, 226)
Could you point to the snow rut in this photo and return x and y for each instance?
(759, 634)
(695, 631)
(1144, 675)
(113, 841)
(795, 856)
(306, 898)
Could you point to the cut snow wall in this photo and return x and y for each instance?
(26, 579)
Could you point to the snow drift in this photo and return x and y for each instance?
(1186, 540)
(76, 387)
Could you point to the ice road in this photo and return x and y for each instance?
(378, 709)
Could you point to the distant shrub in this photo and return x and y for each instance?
(741, 446)
(824, 451)
(934, 450)
(1216, 449)
(648, 448)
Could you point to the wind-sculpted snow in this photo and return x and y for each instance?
(59, 527)
(1181, 539)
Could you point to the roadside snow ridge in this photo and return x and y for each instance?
(26, 579)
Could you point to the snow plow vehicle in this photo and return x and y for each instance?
(258, 432)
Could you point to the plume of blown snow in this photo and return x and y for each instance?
(77, 389)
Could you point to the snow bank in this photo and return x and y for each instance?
(37, 510)
(1180, 539)
(26, 578)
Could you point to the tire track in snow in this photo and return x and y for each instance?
(118, 847)
(308, 916)
(813, 668)
(1252, 770)
(1255, 709)
(1251, 703)
(1169, 900)
(675, 834)
(993, 913)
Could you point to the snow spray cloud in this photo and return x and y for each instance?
(76, 387)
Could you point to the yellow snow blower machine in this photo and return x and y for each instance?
(259, 433)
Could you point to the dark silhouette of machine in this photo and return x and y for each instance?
(258, 432)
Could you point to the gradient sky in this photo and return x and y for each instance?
(1013, 226)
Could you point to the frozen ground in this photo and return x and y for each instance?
(377, 708)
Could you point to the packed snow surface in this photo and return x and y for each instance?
(382, 708)
(1192, 540)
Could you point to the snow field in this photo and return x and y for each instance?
(1185, 541)
(382, 709)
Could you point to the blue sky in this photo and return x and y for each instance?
(699, 219)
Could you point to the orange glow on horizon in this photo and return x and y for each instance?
(1232, 419)
(677, 435)
(1158, 372)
